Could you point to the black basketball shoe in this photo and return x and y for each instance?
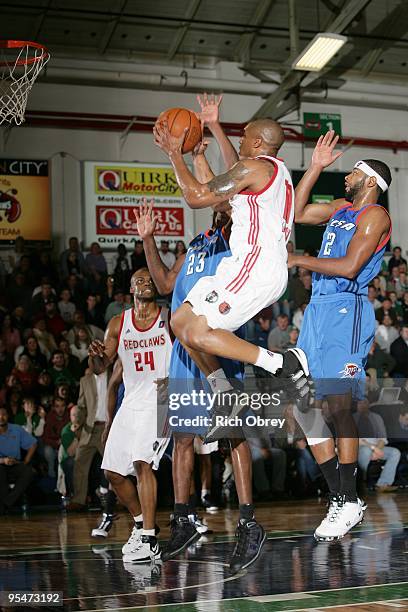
(295, 370)
(182, 534)
(251, 537)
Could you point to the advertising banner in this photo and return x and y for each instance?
(25, 208)
(113, 190)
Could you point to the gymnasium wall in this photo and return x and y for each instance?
(66, 148)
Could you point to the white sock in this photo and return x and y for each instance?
(269, 361)
(138, 518)
(218, 381)
(204, 492)
(103, 490)
(149, 532)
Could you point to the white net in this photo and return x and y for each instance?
(19, 68)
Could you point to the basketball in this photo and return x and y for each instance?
(178, 119)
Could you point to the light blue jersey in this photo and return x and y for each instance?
(339, 323)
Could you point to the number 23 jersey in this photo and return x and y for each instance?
(145, 355)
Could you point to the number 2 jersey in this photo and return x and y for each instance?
(339, 323)
(339, 232)
(145, 355)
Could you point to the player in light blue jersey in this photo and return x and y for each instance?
(203, 256)
(339, 324)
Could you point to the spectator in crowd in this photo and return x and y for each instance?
(25, 374)
(386, 333)
(396, 258)
(306, 465)
(399, 351)
(58, 371)
(65, 306)
(269, 466)
(13, 470)
(138, 257)
(19, 250)
(53, 320)
(373, 446)
(72, 260)
(79, 321)
(79, 348)
(32, 350)
(372, 297)
(31, 419)
(380, 361)
(44, 338)
(404, 307)
(94, 312)
(392, 279)
(298, 316)
(92, 403)
(167, 257)
(26, 269)
(74, 285)
(20, 320)
(10, 334)
(6, 362)
(45, 267)
(70, 435)
(107, 295)
(122, 270)
(62, 391)
(55, 421)
(45, 390)
(386, 308)
(379, 284)
(117, 306)
(180, 249)
(45, 295)
(293, 337)
(397, 306)
(19, 293)
(401, 284)
(72, 363)
(279, 335)
(95, 261)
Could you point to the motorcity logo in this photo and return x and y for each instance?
(10, 207)
(120, 220)
(212, 297)
(136, 180)
(350, 370)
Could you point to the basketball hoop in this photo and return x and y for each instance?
(20, 64)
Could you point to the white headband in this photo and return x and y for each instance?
(361, 165)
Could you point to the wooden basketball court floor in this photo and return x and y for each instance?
(365, 572)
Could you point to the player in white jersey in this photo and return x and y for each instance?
(135, 445)
(260, 194)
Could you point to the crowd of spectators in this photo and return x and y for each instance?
(50, 311)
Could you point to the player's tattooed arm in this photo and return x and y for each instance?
(102, 354)
(198, 195)
(324, 155)
(371, 231)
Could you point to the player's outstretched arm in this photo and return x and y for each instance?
(371, 231)
(202, 169)
(217, 190)
(112, 393)
(323, 156)
(102, 354)
(209, 115)
(163, 278)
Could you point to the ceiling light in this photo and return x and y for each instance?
(319, 51)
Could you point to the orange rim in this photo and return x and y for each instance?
(19, 44)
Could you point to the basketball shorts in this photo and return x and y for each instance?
(133, 437)
(336, 335)
(242, 286)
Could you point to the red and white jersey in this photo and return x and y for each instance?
(145, 355)
(264, 218)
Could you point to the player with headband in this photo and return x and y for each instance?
(339, 324)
